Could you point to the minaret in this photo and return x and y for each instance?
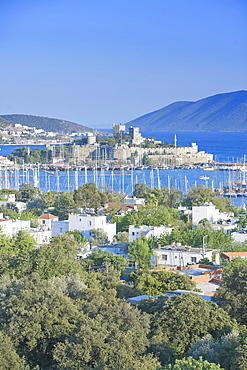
(175, 140)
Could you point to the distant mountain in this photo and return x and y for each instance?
(48, 124)
(222, 112)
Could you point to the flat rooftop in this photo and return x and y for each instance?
(194, 271)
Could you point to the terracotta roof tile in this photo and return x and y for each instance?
(47, 216)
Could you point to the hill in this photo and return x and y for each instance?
(4, 123)
(47, 124)
(221, 112)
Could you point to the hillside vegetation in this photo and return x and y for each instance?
(47, 124)
(222, 112)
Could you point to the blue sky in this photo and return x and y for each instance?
(96, 62)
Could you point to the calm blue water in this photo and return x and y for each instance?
(7, 149)
(226, 146)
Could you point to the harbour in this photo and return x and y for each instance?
(225, 174)
(229, 183)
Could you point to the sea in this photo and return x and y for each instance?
(228, 147)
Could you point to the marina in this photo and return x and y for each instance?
(226, 174)
(229, 183)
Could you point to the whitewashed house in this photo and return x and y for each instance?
(240, 237)
(46, 220)
(40, 236)
(134, 200)
(59, 227)
(209, 212)
(136, 232)
(11, 227)
(181, 256)
(10, 198)
(84, 223)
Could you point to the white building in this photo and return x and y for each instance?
(134, 200)
(84, 223)
(181, 256)
(4, 161)
(208, 211)
(46, 220)
(239, 236)
(40, 236)
(147, 231)
(59, 227)
(11, 227)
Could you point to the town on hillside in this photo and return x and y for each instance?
(146, 257)
(158, 273)
(124, 149)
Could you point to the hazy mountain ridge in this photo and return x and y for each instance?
(221, 112)
(48, 124)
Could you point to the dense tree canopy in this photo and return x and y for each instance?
(158, 282)
(182, 320)
(192, 364)
(151, 215)
(232, 294)
(194, 237)
(199, 195)
(100, 258)
(28, 193)
(9, 359)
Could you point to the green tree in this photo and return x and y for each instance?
(49, 198)
(63, 205)
(36, 316)
(140, 190)
(221, 350)
(182, 320)
(122, 236)
(57, 259)
(164, 196)
(99, 237)
(9, 212)
(232, 294)
(150, 215)
(88, 196)
(28, 193)
(140, 252)
(194, 237)
(81, 240)
(24, 244)
(107, 259)
(9, 359)
(192, 364)
(158, 282)
(113, 337)
(200, 195)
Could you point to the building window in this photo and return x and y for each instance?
(43, 222)
(61, 230)
(133, 233)
(164, 257)
(89, 223)
(193, 259)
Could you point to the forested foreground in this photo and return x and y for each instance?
(57, 313)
